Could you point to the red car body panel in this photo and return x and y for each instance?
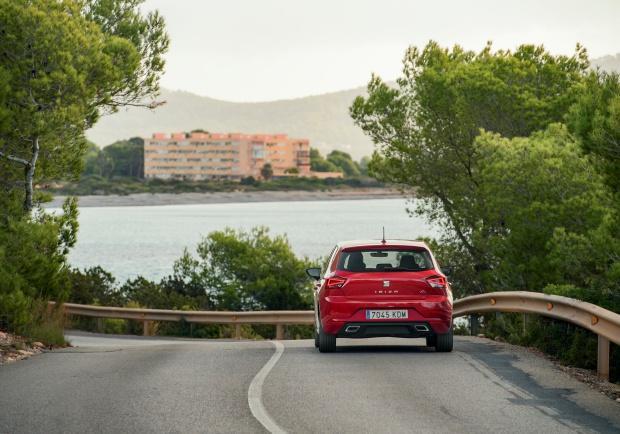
(337, 306)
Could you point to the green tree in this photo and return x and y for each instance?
(94, 286)
(122, 22)
(123, 158)
(247, 271)
(126, 157)
(588, 264)
(64, 64)
(319, 164)
(595, 119)
(344, 163)
(33, 258)
(425, 127)
(266, 171)
(529, 188)
(93, 164)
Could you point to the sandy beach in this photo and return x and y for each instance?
(149, 199)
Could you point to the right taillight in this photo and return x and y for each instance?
(335, 282)
(437, 282)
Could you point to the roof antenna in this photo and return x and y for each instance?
(383, 239)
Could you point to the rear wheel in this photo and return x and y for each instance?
(327, 343)
(445, 342)
(316, 339)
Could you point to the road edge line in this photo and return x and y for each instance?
(255, 392)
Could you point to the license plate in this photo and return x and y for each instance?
(387, 314)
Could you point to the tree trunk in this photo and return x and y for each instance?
(29, 175)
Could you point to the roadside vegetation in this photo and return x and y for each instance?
(230, 270)
(516, 155)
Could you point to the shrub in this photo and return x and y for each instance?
(46, 325)
(33, 266)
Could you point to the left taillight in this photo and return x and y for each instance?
(437, 282)
(335, 282)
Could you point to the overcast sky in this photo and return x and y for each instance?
(258, 50)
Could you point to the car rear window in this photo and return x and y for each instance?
(361, 261)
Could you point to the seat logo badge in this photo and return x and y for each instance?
(386, 283)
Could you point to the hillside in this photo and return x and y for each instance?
(324, 119)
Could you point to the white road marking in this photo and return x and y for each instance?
(255, 392)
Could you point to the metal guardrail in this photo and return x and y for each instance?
(604, 323)
(279, 318)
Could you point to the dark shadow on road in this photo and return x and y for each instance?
(554, 402)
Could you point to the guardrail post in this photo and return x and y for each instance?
(100, 325)
(602, 362)
(146, 328)
(474, 328)
(237, 331)
(279, 332)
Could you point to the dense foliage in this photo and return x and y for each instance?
(124, 158)
(247, 271)
(336, 161)
(595, 119)
(33, 261)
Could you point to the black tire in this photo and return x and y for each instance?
(445, 342)
(327, 343)
(316, 339)
(431, 340)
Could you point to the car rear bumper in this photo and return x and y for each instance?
(385, 329)
(339, 312)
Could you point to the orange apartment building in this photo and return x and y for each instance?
(201, 155)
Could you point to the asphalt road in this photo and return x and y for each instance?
(126, 385)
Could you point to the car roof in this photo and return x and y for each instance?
(380, 244)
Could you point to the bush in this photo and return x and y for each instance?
(33, 266)
(47, 325)
(247, 271)
(94, 286)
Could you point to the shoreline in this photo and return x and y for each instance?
(160, 199)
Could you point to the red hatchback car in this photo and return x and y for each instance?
(382, 288)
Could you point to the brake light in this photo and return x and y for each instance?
(437, 282)
(335, 282)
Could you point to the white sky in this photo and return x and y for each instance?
(257, 50)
